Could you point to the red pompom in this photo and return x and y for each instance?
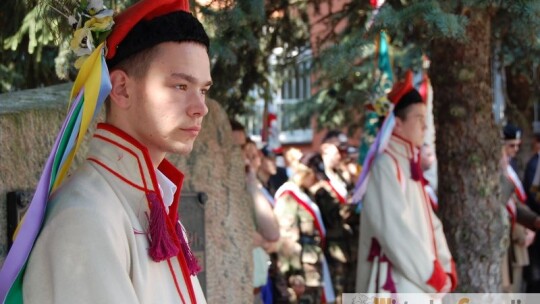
(401, 88)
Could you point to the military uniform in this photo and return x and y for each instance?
(522, 218)
(339, 236)
(301, 242)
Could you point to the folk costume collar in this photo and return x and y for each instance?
(130, 162)
(404, 148)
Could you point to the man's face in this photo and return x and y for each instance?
(252, 157)
(169, 101)
(330, 155)
(414, 126)
(511, 147)
(268, 165)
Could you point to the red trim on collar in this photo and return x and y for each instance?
(124, 136)
(145, 187)
(125, 180)
(405, 142)
(168, 169)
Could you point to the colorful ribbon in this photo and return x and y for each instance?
(380, 144)
(88, 94)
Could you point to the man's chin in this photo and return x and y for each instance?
(182, 150)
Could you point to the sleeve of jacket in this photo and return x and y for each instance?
(525, 216)
(389, 214)
(81, 256)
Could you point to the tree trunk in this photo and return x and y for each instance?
(468, 151)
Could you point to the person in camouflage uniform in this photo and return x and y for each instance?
(338, 249)
(302, 236)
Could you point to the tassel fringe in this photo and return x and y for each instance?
(162, 244)
(191, 260)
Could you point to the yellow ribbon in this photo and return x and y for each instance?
(90, 77)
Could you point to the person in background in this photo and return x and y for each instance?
(292, 159)
(303, 234)
(531, 184)
(339, 177)
(512, 143)
(281, 175)
(521, 217)
(402, 247)
(523, 220)
(338, 247)
(266, 225)
(238, 132)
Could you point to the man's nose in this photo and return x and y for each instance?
(197, 106)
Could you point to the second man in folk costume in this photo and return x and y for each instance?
(402, 244)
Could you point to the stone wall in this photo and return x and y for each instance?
(29, 122)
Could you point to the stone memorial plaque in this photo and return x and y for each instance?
(191, 214)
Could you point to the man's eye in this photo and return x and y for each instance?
(182, 87)
(204, 91)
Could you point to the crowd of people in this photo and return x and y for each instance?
(324, 247)
(308, 199)
(521, 265)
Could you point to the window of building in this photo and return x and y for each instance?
(296, 87)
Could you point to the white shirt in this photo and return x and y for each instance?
(167, 189)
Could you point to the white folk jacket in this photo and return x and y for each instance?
(402, 245)
(93, 247)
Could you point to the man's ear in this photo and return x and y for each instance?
(398, 125)
(119, 92)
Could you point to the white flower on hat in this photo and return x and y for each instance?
(82, 42)
(94, 7)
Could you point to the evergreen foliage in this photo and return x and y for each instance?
(28, 49)
(347, 73)
(244, 34)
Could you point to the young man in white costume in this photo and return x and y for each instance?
(112, 233)
(402, 244)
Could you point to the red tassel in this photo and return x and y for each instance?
(191, 260)
(162, 244)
